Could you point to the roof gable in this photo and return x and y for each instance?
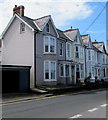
(62, 35)
(87, 40)
(71, 34)
(100, 46)
(26, 20)
(41, 23)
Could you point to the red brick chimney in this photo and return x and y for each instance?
(18, 10)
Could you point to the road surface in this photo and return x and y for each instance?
(83, 105)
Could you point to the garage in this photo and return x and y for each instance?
(15, 79)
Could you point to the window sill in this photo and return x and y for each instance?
(49, 53)
(50, 80)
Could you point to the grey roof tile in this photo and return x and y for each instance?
(29, 21)
(85, 39)
(61, 34)
(71, 33)
(41, 22)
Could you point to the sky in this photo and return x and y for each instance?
(65, 13)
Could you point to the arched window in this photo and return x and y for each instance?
(47, 27)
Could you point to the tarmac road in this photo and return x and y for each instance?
(83, 105)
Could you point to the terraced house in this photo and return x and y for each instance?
(102, 64)
(54, 57)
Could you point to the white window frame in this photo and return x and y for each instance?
(49, 44)
(61, 48)
(70, 55)
(64, 70)
(49, 62)
(77, 52)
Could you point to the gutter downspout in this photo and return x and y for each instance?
(85, 61)
(35, 84)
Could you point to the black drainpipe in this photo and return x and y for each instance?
(35, 84)
(85, 61)
(65, 66)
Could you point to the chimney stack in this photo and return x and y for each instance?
(71, 27)
(18, 10)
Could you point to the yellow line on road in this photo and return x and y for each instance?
(28, 100)
(37, 99)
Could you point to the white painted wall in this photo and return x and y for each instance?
(18, 48)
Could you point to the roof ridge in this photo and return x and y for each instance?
(28, 17)
(70, 30)
(59, 30)
(84, 35)
(42, 17)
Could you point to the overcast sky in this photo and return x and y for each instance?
(65, 13)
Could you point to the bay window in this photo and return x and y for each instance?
(49, 45)
(65, 70)
(49, 70)
(68, 50)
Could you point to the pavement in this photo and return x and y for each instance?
(40, 92)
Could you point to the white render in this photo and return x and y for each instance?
(18, 48)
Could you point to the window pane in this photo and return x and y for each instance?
(61, 48)
(52, 43)
(76, 48)
(47, 27)
(51, 48)
(81, 67)
(52, 70)
(46, 75)
(68, 50)
(46, 70)
(77, 55)
(52, 75)
(77, 67)
(46, 44)
(46, 48)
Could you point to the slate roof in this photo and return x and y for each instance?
(61, 34)
(71, 33)
(29, 21)
(85, 39)
(37, 24)
(100, 46)
(41, 22)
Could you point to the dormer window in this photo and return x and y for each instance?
(22, 27)
(47, 28)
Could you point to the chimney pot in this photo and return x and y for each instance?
(18, 10)
(71, 27)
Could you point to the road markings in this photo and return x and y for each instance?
(28, 100)
(76, 116)
(3, 104)
(92, 110)
(104, 105)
